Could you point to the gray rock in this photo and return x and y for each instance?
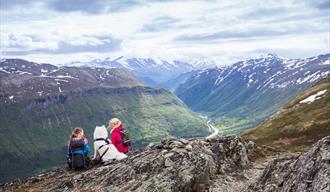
(307, 172)
(172, 166)
(184, 141)
(168, 155)
(188, 147)
(179, 150)
(169, 163)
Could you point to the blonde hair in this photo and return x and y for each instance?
(76, 131)
(115, 121)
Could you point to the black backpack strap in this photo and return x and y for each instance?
(103, 152)
(103, 139)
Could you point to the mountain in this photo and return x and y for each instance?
(175, 165)
(40, 104)
(152, 71)
(175, 82)
(246, 93)
(21, 79)
(302, 121)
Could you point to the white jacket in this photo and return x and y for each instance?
(109, 150)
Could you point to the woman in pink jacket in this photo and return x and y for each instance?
(116, 139)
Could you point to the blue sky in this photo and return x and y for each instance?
(58, 31)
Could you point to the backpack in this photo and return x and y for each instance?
(78, 155)
(125, 138)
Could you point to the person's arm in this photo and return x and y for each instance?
(85, 141)
(118, 138)
(87, 149)
(113, 138)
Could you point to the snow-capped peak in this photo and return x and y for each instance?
(272, 55)
(204, 63)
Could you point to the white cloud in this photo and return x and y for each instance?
(236, 30)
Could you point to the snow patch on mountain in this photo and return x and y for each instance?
(3, 70)
(44, 71)
(62, 80)
(326, 62)
(312, 77)
(314, 97)
(23, 72)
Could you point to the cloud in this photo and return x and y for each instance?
(93, 7)
(319, 4)
(84, 6)
(265, 12)
(159, 24)
(250, 33)
(169, 29)
(9, 4)
(28, 44)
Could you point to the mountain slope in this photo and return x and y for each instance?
(39, 110)
(175, 82)
(244, 94)
(302, 121)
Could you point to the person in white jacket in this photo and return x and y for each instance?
(103, 149)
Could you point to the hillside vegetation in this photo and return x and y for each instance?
(299, 123)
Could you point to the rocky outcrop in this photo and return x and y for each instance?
(309, 171)
(172, 165)
(223, 164)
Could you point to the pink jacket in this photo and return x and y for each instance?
(117, 141)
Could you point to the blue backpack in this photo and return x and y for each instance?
(78, 155)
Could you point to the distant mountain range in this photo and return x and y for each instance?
(152, 71)
(23, 79)
(41, 103)
(246, 93)
(301, 122)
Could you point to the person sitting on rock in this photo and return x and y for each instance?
(78, 149)
(104, 151)
(119, 136)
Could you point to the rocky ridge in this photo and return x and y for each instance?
(172, 165)
(308, 172)
(223, 164)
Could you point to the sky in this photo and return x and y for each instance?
(226, 31)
